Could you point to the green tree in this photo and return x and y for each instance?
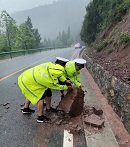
(90, 23)
(64, 38)
(29, 23)
(9, 26)
(24, 38)
(37, 38)
(35, 32)
(58, 43)
(68, 33)
(3, 42)
(59, 36)
(45, 43)
(99, 14)
(70, 41)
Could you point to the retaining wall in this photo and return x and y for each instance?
(116, 92)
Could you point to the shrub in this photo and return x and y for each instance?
(119, 64)
(122, 9)
(102, 45)
(123, 38)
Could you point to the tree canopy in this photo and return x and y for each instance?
(63, 39)
(99, 14)
(13, 37)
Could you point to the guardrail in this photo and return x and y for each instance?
(12, 54)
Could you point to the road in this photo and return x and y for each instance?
(18, 130)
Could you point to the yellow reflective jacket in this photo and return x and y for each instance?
(72, 73)
(34, 81)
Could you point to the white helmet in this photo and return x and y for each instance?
(80, 62)
(62, 59)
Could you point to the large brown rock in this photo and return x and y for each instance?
(94, 120)
(73, 102)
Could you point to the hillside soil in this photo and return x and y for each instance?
(116, 62)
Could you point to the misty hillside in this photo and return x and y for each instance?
(54, 18)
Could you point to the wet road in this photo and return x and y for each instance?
(18, 130)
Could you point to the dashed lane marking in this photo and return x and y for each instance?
(74, 55)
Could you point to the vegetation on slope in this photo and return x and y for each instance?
(99, 14)
(106, 30)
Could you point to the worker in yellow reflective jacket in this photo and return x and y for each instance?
(35, 84)
(62, 61)
(72, 72)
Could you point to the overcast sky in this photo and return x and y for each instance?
(15, 5)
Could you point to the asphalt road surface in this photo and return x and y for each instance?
(19, 130)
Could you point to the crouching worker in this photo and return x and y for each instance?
(62, 61)
(72, 73)
(72, 70)
(35, 84)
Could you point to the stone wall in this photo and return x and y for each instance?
(116, 92)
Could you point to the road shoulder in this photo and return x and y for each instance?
(93, 96)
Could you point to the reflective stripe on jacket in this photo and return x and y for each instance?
(72, 73)
(34, 81)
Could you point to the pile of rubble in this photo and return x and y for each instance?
(72, 106)
(93, 115)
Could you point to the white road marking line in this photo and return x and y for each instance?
(72, 58)
(68, 139)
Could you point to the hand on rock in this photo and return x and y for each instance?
(69, 88)
(80, 87)
(68, 81)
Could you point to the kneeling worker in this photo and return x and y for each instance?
(35, 84)
(62, 61)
